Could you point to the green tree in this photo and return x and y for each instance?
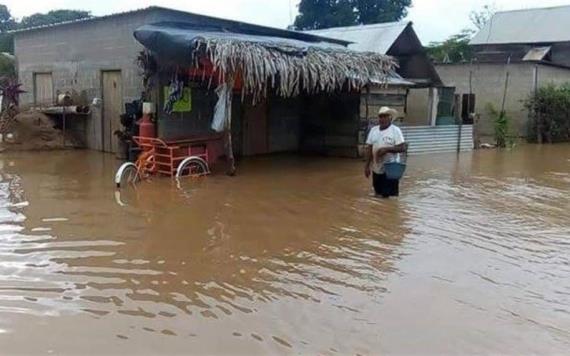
(550, 114)
(317, 14)
(52, 17)
(456, 48)
(378, 11)
(453, 50)
(7, 66)
(7, 22)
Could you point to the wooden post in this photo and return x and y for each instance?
(460, 119)
(231, 159)
(538, 117)
(230, 147)
(367, 99)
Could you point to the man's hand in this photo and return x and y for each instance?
(367, 172)
(380, 154)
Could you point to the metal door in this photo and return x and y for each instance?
(255, 129)
(112, 108)
(43, 89)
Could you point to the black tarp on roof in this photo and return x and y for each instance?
(175, 41)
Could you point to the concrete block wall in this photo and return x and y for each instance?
(488, 85)
(76, 55)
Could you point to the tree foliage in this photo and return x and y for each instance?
(550, 112)
(52, 17)
(378, 11)
(502, 124)
(455, 49)
(7, 67)
(7, 22)
(318, 14)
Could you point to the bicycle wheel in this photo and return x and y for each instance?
(192, 167)
(128, 174)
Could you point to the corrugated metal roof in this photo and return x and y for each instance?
(87, 19)
(377, 38)
(243, 25)
(544, 25)
(438, 139)
(396, 80)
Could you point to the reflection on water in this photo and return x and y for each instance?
(292, 256)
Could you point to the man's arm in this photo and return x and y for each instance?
(401, 148)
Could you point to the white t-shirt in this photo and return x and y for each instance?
(390, 137)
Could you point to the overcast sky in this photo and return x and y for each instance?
(434, 19)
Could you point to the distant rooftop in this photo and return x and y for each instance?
(377, 38)
(542, 25)
(238, 26)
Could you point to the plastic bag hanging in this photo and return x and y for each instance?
(223, 110)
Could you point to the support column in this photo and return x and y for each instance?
(433, 106)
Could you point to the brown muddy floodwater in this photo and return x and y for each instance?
(291, 257)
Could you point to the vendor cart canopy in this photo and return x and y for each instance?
(288, 66)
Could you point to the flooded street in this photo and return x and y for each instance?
(293, 256)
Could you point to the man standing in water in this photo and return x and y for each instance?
(384, 144)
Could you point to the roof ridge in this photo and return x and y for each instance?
(532, 9)
(86, 19)
(185, 13)
(359, 27)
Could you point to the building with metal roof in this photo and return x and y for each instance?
(396, 39)
(542, 25)
(513, 55)
(369, 38)
(535, 35)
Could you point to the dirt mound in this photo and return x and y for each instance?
(34, 131)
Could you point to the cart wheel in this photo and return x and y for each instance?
(193, 167)
(128, 174)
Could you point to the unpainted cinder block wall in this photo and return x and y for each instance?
(76, 55)
(488, 85)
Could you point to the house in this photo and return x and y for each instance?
(426, 105)
(399, 40)
(514, 54)
(99, 61)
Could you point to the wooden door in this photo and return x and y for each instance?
(255, 130)
(112, 109)
(43, 89)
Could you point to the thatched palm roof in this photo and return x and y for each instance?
(289, 67)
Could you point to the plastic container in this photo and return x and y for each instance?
(395, 170)
(147, 129)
